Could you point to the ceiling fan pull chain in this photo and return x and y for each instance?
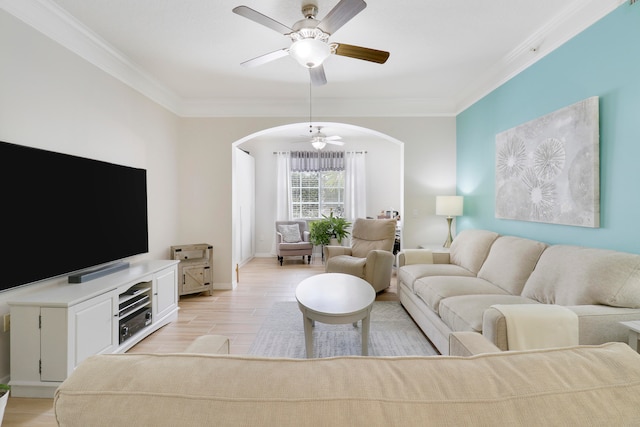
(310, 115)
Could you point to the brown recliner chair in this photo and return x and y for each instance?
(292, 239)
(370, 256)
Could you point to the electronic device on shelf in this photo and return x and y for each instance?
(134, 310)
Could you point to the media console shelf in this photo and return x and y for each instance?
(56, 328)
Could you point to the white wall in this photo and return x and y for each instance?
(52, 99)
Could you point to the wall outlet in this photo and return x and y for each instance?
(7, 322)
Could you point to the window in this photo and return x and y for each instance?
(317, 193)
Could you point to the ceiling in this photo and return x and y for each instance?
(186, 55)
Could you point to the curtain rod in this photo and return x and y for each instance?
(357, 152)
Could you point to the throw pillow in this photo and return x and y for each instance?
(290, 233)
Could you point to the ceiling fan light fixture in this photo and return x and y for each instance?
(310, 52)
(318, 145)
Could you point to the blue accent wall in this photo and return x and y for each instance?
(603, 61)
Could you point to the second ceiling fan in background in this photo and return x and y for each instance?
(310, 38)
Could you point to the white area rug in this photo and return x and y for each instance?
(392, 333)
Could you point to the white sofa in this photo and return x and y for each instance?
(573, 386)
(456, 291)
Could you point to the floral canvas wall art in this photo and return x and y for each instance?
(547, 170)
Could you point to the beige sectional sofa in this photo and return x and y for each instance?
(456, 291)
(576, 386)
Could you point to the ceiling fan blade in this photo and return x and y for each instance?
(318, 78)
(340, 15)
(364, 53)
(258, 17)
(334, 142)
(332, 138)
(267, 57)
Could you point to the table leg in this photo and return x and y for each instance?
(308, 336)
(365, 335)
(633, 340)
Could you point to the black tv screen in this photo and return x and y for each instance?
(62, 214)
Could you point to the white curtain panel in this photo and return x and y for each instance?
(355, 185)
(284, 210)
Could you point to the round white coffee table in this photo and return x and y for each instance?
(335, 298)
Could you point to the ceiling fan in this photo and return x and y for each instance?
(319, 140)
(310, 38)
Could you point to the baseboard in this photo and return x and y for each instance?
(224, 286)
(264, 255)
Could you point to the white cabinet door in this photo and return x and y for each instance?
(165, 294)
(94, 327)
(53, 343)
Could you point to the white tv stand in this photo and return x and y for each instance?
(55, 329)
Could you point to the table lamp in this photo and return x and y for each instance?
(449, 206)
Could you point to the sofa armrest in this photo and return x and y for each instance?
(465, 343)
(331, 251)
(422, 256)
(414, 256)
(209, 344)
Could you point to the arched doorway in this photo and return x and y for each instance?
(385, 171)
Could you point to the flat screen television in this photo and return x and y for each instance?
(61, 214)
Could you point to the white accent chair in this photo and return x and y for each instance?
(292, 243)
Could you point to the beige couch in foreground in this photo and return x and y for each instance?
(458, 291)
(577, 386)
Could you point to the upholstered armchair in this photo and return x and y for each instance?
(370, 256)
(292, 239)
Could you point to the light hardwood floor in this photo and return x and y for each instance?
(236, 313)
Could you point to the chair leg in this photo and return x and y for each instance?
(308, 259)
(280, 259)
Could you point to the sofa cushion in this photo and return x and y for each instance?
(471, 247)
(295, 246)
(408, 274)
(435, 288)
(510, 262)
(464, 313)
(573, 275)
(290, 233)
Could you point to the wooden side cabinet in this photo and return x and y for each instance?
(194, 271)
(53, 330)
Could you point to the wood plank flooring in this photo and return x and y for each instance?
(236, 313)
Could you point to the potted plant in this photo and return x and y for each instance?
(327, 228)
(4, 397)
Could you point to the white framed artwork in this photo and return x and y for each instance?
(548, 169)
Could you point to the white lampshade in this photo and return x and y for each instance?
(318, 145)
(449, 205)
(310, 52)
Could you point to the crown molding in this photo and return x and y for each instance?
(54, 22)
(575, 18)
(333, 107)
